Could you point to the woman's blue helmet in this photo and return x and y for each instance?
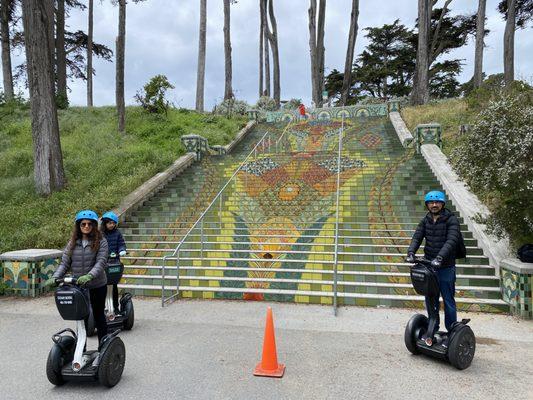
(435, 195)
(111, 215)
(87, 214)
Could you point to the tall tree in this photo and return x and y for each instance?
(420, 94)
(200, 73)
(480, 35)
(261, 39)
(61, 55)
(121, 45)
(517, 13)
(316, 48)
(228, 91)
(48, 160)
(266, 49)
(7, 74)
(352, 36)
(508, 43)
(89, 72)
(272, 37)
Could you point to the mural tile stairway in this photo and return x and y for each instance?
(271, 234)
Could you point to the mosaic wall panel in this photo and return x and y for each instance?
(27, 278)
(517, 291)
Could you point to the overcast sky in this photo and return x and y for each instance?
(162, 38)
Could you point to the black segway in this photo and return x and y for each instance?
(457, 346)
(67, 359)
(125, 317)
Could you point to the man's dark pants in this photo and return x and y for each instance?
(446, 277)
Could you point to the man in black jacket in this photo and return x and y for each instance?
(440, 227)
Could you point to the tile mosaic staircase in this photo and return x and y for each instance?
(271, 236)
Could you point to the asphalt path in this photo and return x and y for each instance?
(208, 350)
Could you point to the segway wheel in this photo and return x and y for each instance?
(54, 363)
(112, 363)
(416, 325)
(90, 326)
(462, 348)
(130, 312)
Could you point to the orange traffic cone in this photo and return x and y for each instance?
(269, 363)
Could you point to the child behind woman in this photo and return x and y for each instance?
(116, 244)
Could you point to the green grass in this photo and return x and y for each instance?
(449, 113)
(101, 165)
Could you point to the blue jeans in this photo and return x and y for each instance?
(446, 277)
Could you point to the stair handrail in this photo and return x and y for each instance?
(336, 258)
(178, 247)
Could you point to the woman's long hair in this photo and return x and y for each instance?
(95, 236)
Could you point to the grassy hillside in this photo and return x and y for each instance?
(101, 166)
(451, 114)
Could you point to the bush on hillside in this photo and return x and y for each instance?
(292, 104)
(494, 158)
(152, 96)
(492, 89)
(266, 103)
(230, 107)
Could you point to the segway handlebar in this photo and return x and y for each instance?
(69, 279)
(419, 260)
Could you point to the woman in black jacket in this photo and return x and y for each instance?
(85, 257)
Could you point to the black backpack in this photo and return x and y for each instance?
(460, 250)
(525, 253)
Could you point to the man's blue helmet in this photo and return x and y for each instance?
(111, 215)
(435, 195)
(87, 214)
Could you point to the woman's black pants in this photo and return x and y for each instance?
(98, 296)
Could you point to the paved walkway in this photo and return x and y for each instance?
(208, 349)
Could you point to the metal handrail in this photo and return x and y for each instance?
(336, 259)
(176, 251)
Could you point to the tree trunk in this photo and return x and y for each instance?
(480, 34)
(273, 39)
(48, 160)
(90, 55)
(312, 49)
(508, 43)
(121, 44)
(6, 50)
(267, 58)
(200, 75)
(61, 56)
(320, 50)
(228, 91)
(420, 94)
(261, 38)
(352, 36)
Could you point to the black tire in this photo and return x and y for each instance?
(462, 348)
(130, 312)
(54, 363)
(413, 331)
(90, 326)
(112, 363)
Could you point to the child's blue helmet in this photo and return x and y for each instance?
(435, 195)
(111, 215)
(87, 214)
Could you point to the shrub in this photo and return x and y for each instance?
(152, 98)
(494, 158)
(266, 103)
(493, 88)
(230, 107)
(292, 104)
